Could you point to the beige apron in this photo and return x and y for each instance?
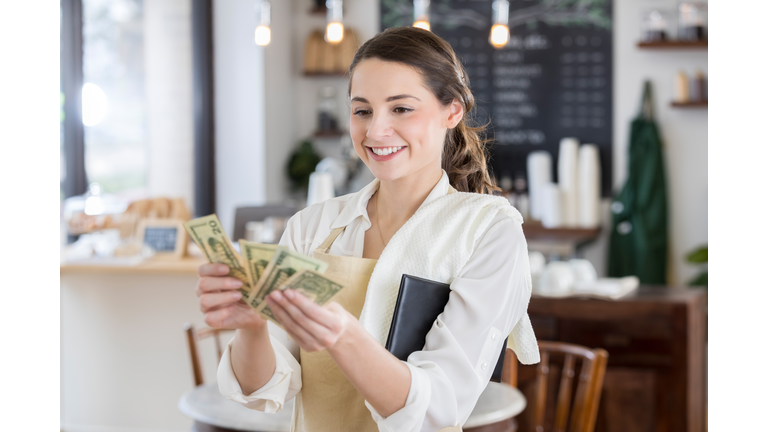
(328, 402)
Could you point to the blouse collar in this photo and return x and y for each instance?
(357, 205)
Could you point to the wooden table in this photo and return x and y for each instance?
(655, 380)
(497, 405)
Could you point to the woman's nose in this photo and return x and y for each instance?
(379, 127)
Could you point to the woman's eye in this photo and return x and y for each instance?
(362, 112)
(401, 110)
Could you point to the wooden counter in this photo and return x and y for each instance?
(185, 266)
(124, 357)
(655, 338)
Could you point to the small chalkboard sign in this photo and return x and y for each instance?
(165, 236)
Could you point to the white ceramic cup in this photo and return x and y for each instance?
(557, 279)
(583, 271)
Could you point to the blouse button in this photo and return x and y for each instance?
(493, 336)
(484, 366)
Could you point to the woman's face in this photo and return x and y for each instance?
(397, 125)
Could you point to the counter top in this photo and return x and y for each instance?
(184, 266)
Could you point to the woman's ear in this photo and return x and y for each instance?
(455, 114)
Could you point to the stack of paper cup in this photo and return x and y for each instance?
(568, 179)
(320, 187)
(589, 186)
(552, 206)
(539, 165)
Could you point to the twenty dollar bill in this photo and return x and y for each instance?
(257, 257)
(214, 243)
(285, 263)
(316, 287)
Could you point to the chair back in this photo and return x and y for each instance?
(582, 407)
(193, 336)
(244, 215)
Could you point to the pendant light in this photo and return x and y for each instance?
(500, 31)
(334, 32)
(263, 33)
(421, 14)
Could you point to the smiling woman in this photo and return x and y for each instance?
(429, 213)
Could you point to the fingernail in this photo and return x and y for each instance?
(236, 295)
(277, 295)
(289, 294)
(236, 283)
(223, 269)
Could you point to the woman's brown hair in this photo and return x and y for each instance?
(464, 152)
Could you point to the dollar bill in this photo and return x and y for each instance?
(257, 257)
(285, 263)
(213, 241)
(313, 285)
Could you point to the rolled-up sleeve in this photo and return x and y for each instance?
(487, 299)
(283, 386)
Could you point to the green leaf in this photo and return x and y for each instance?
(698, 256)
(700, 280)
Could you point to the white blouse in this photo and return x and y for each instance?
(446, 382)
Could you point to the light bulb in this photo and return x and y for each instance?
(422, 25)
(499, 35)
(263, 35)
(334, 33)
(421, 14)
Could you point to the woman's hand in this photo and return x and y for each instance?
(313, 327)
(220, 300)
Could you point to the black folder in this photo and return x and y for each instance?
(419, 302)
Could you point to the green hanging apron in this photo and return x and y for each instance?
(638, 244)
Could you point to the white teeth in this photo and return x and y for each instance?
(385, 151)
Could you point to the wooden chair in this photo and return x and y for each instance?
(244, 215)
(588, 388)
(192, 337)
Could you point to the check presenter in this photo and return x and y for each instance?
(429, 213)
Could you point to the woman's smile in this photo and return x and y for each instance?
(382, 154)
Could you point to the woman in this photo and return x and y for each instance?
(410, 102)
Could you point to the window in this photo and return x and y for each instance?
(114, 106)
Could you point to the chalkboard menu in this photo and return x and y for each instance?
(552, 80)
(161, 239)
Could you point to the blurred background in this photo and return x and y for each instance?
(174, 109)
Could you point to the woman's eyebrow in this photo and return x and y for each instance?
(389, 99)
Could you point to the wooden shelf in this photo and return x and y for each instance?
(673, 45)
(534, 230)
(699, 104)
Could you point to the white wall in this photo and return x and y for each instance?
(168, 75)
(290, 97)
(239, 109)
(683, 131)
(280, 128)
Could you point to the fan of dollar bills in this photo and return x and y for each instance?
(263, 268)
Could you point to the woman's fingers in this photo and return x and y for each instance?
(211, 301)
(305, 323)
(311, 309)
(296, 331)
(216, 284)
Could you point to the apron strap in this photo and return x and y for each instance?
(326, 244)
